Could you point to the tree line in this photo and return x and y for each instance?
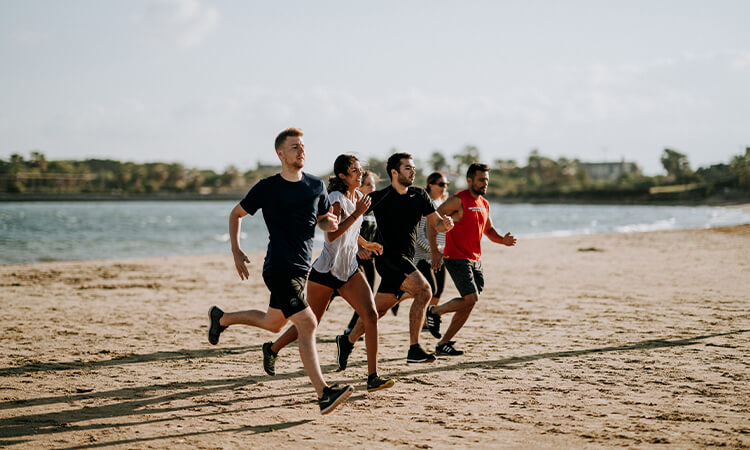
(540, 177)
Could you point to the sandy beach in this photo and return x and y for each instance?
(636, 340)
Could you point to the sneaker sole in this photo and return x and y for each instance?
(447, 354)
(385, 385)
(210, 324)
(342, 398)
(418, 361)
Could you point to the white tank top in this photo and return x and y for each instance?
(340, 256)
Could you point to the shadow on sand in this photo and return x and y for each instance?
(134, 403)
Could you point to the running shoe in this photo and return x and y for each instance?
(269, 359)
(447, 349)
(433, 322)
(333, 397)
(215, 329)
(417, 355)
(344, 350)
(375, 383)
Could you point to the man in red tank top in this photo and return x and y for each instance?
(471, 217)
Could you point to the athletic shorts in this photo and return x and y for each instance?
(466, 275)
(287, 290)
(393, 271)
(327, 279)
(436, 280)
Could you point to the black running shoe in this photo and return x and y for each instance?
(344, 350)
(215, 329)
(375, 383)
(417, 355)
(269, 359)
(447, 349)
(433, 322)
(333, 397)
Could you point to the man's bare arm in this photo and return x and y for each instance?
(494, 236)
(442, 224)
(235, 225)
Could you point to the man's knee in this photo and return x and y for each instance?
(470, 300)
(419, 288)
(423, 293)
(305, 322)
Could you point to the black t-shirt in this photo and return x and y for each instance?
(398, 216)
(290, 210)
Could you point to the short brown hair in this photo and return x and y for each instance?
(293, 132)
(476, 167)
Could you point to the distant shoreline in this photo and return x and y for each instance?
(716, 200)
(118, 197)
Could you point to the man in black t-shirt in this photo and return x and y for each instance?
(398, 209)
(293, 203)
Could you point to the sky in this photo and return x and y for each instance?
(211, 83)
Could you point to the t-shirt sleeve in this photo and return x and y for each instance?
(253, 201)
(428, 207)
(323, 203)
(334, 197)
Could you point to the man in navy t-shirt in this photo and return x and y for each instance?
(293, 203)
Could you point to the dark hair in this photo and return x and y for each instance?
(432, 178)
(294, 132)
(341, 166)
(394, 162)
(476, 167)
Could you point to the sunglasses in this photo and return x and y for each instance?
(443, 184)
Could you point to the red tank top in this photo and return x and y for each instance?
(463, 241)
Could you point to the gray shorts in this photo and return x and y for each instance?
(466, 275)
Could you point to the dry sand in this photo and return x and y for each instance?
(595, 341)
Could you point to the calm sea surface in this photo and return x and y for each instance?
(62, 231)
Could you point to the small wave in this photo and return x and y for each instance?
(557, 233)
(659, 225)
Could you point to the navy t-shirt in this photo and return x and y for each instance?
(398, 216)
(290, 210)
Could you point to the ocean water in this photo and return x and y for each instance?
(64, 231)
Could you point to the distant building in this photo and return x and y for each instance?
(609, 170)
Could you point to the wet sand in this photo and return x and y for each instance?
(590, 341)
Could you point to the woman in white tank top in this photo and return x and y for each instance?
(336, 267)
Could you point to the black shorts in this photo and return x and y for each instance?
(393, 271)
(287, 290)
(436, 280)
(327, 279)
(466, 274)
